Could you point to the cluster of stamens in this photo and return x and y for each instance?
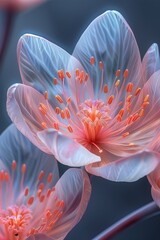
(97, 113)
(17, 218)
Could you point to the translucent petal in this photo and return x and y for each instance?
(154, 179)
(14, 146)
(75, 189)
(66, 150)
(127, 169)
(23, 108)
(39, 62)
(151, 62)
(110, 40)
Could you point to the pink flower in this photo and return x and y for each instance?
(19, 4)
(34, 204)
(98, 107)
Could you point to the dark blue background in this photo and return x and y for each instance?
(63, 22)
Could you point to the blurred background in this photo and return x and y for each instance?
(63, 22)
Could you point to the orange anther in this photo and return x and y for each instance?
(59, 99)
(125, 134)
(62, 114)
(129, 87)
(121, 112)
(77, 72)
(41, 199)
(68, 74)
(86, 77)
(81, 76)
(129, 98)
(57, 110)
(68, 100)
(14, 165)
(70, 129)
(41, 186)
(145, 104)
(6, 176)
(41, 174)
(43, 108)
(26, 192)
(118, 73)
(39, 192)
(56, 126)
(67, 112)
(141, 112)
(44, 125)
(55, 81)
(61, 74)
(23, 168)
(30, 200)
(117, 83)
(137, 91)
(46, 95)
(146, 98)
(129, 119)
(110, 99)
(125, 75)
(49, 179)
(101, 65)
(105, 89)
(48, 192)
(135, 117)
(92, 60)
(119, 118)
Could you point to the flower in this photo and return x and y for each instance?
(98, 107)
(34, 204)
(19, 4)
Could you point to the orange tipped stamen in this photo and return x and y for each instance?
(86, 77)
(118, 73)
(119, 118)
(57, 110)
(92, 60)
(99, 149)
(101, 65)
(23, 168)
(56, 126)
(129, 98)
(14, 165)
(55, 81)
(146, 98)
(135, 117)
(68, 100)
(67, 112)
(105, 89)
(121, 112)
(138, 90)
(141, 112)
(26, 192)
(68, 74)
(110, 99)
(50, 176)
(30, 200)
(77, 72)
(145, 104)
(61, 74)
(117, 83)
(59, 99)
(41, 175)
(43, 108)
(125, 75)
(62, 114)
(129, 87)
(70, 129)
(125, 134)
(46, 95)
(44, 125)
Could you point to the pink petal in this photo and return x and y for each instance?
(23, 109)
(14, 146)
(39, 61)
(126, 169)
(110, 40)
(75, 189)
(151, 62)
(66, 150)
(154, 179)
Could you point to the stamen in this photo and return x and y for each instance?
(145, 104)
(46, 95)
(92, 60)
(57, 110)
(121, 112)
(117, 83)
(24, 168)
(62, 114)
(99, 149)
(26, 192)
(125, 75)
(105, 89)
(119, 118)
(70, 129)
(141, 112)
(50, 176)
(61, 74)
(146, 98)
(110, 99)
(68, 74)
(30, 200)
(44, 125)
(118, 73)
(41, 174)
(67, 112)
(125, 134)
(14, 165)
(101, 65)
(59, 99)
(55, 81)
(56, 126)
(86, 77)
(77, 72)
(137, 91)
(135, 117)
(129, 87)
(43, 108)
(129, 98)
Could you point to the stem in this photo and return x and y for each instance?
(7, 31)
(140, 214)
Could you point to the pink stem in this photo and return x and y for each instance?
(140, 214)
